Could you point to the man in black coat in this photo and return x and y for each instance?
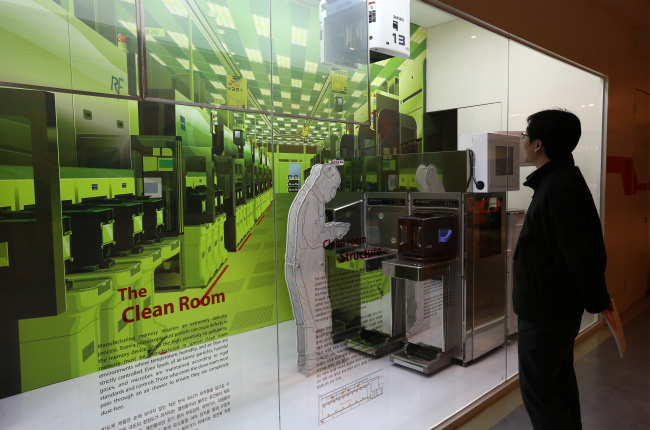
(558, 271)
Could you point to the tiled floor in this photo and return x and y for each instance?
(614, 392)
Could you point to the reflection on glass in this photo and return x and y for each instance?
(320, 65)
(209, 52)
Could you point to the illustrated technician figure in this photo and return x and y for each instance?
(558, 270)
(304, 265)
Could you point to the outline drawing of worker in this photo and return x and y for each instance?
(304, 266)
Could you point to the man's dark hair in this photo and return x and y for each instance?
(558, 129)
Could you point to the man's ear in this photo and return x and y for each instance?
(539, 145)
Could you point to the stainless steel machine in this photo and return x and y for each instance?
(445, 255)
(439, 340)
(470, 317)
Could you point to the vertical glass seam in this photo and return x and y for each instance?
(142, 48)
(275, 220)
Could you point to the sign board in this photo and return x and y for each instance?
(339, 81)
(154, 32)
(237, 91)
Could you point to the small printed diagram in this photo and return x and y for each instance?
(350, 396)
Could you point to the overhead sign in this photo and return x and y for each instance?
(339, 81)
(154, 32)
(237, 91)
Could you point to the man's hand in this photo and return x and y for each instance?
(340, 229)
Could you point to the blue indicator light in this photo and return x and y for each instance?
(444, 234)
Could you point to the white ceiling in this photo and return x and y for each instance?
(427, 16)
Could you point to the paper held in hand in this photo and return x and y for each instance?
(614, 322)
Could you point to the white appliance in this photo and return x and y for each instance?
(389, 29)
(496, 161)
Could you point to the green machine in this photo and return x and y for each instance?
(199, 253)
(225, 154)
(70, 355)
(157, 163)
(113, 329)
(35, 113)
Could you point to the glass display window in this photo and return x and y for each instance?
(280, 230)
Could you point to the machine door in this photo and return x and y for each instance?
(382, 218)
(485, 265)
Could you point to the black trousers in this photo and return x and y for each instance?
(546, 377)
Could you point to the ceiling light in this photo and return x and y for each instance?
(295, 106)
(357, 93)
(284, 61)
(175, 7)
(305, 97)
(298, 36)
(419, 35)
(219, 70)
(155, 57)
(310, 67)
(318, 87)
(356, 105)
(404, 64)
(217, 97)
(218, 85)
(248, 75)
(180, 39)
(254, 55)
(262, 25)
(296, 83)
(377, 81)
(265, 92)
(473, 37)
(382, 62)
(357, 77)
(186, 64)
(221, 15)
(276, 80)
(285, 95)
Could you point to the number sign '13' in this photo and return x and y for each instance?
(402, 39)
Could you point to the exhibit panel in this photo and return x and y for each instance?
(150, 282)
(294, 227)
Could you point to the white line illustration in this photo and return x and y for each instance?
(350, 396)
(304, 266)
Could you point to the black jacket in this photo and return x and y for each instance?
(559, 262)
